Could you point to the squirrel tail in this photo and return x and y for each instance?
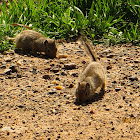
(88, 47)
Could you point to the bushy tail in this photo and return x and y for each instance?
(88, 47)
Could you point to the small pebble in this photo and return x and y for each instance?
(83, 62)
(90, 123)
(46, 76)
(54, 111)
(70, 66)
(54, 82)
(132, 116)
(19, 75)
(107, 51)
(21, 106)
(19, 63)
(109, 67)
(13, 68)
(57, 78)
(8, 59)
(48, 61)
(64, 73)
(136, 61)
(117, 89)
(49, 68)
(91, 112)
(112, 128)
(74, 74)
(55, 70)
(3, 67)
(7, 71)
(80, 132)
(133, 78)
(110, 55)
(71, 85)
(62, 56)
(52, 92)
(123, 97)
(7, 129)
(58, 87)
(1, 125)
(114, 82)
(57, 73)
(24, 68)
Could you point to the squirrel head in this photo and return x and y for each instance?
(50, 48)
(82, 92)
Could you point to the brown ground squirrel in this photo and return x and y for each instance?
(91, 78)
(29, 40)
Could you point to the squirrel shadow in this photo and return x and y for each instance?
(30, 53)
(95, 98)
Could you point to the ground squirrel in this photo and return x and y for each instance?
(29, 40)
(91, 78)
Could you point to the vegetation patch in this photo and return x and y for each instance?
(105, 21)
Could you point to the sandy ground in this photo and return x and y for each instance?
(37, 96)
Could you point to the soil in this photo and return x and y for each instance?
(37, 95)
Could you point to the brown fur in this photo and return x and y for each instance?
(29, 40)
(91, 79)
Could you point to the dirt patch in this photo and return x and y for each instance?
(37, 95)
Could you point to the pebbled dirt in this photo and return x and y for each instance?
(37, 95)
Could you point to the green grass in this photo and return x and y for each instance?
(103, 20)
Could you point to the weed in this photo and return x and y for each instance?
(116, 21)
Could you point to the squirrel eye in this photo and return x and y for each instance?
(48, 49)
(86, 93)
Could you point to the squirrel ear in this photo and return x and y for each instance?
(45, 42)
(87, 85)
(78, 83)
